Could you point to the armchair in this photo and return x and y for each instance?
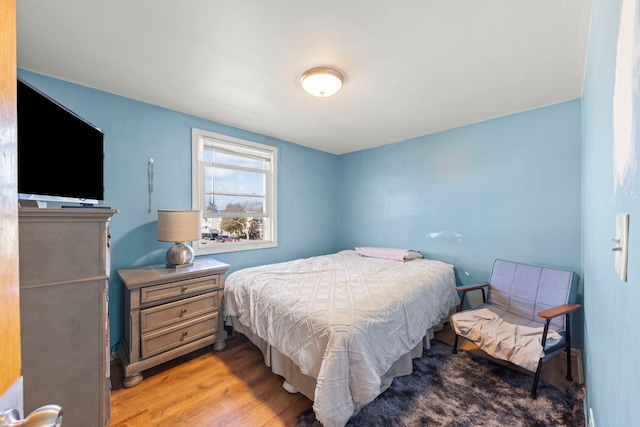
(524, 318)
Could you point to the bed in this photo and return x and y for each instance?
(340, 327)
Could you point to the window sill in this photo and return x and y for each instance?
(218, 248)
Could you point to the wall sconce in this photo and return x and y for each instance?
(321, 81)
(179, 227)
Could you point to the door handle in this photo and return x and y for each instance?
(45, 416)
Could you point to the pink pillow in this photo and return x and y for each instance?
(389, 253)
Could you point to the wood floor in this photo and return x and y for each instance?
(231, 387)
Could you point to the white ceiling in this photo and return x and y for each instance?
(412, 67)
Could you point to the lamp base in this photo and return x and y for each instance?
(179, 255)
(178, 266)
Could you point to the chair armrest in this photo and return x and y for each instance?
(467, 288)
(559, 310)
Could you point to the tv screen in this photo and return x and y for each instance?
(60, 155)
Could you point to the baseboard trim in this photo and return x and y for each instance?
(576, 356)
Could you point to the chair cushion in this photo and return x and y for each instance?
(524, 290)
(505, 336)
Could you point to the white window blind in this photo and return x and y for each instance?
(234, 186)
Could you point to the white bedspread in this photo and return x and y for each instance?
(342, 318)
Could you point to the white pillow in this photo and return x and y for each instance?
(411, 254)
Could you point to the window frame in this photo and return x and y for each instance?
(199, 138)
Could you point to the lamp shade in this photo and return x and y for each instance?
(321, 81)
(178, 226)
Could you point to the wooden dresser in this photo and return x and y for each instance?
(169, 312)
(64, 282)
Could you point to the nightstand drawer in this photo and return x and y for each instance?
(165, 339)
(178, 311)
(176, 289)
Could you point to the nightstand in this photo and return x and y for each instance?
(169, 312)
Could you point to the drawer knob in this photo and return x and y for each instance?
(183, 311)
(184, 288)
(184, 334)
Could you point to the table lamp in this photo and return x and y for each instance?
(179, 227)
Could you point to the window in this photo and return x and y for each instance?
(234, 186)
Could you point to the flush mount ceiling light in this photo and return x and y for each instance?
(321, 81)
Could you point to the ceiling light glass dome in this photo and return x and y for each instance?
(321, 81)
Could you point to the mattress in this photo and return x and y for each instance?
(343, 319)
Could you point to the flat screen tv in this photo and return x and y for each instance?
(60, 155)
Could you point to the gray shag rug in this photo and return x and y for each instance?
(462, 389)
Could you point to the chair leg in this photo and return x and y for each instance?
(459, 309)
(568, 347)
(569, 377)
(534, 389)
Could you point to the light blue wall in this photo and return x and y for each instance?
(612, 344)
(505, 188)
(136, 131)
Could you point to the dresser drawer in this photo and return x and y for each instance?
(178, 311)
(165, 339)
(156, 293)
